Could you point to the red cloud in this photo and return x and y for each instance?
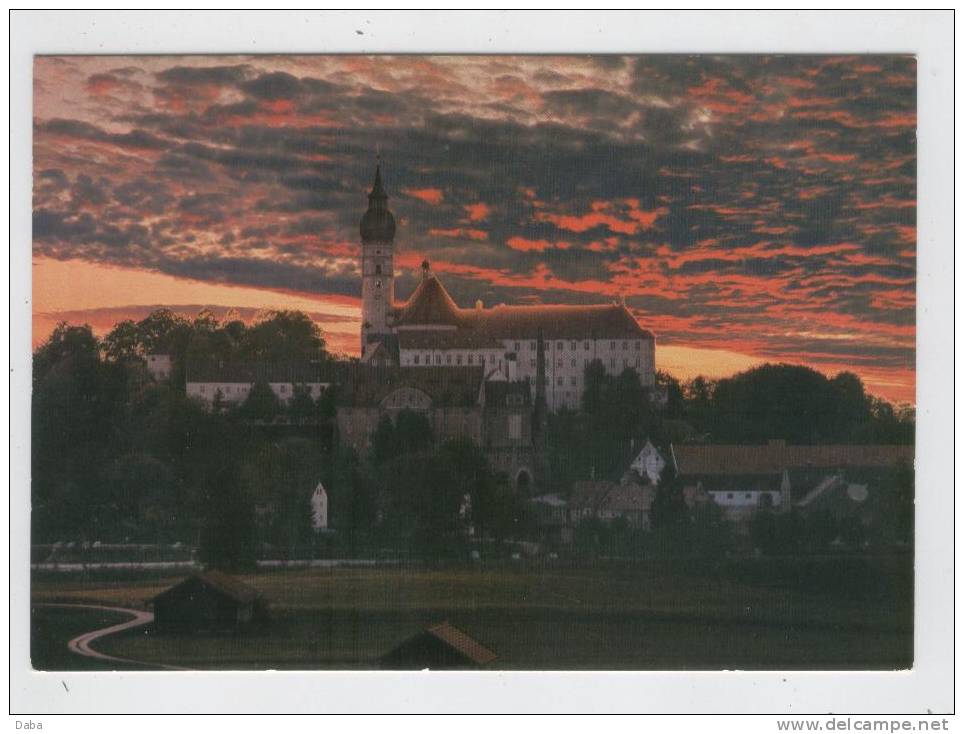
(461, 233)
(429, 196)
(602, 215)
(524, 245)
(477, 212)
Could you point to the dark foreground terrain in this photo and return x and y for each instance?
(832, 612)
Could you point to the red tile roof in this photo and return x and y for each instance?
(773, 458)
(460, 641)
(431, 305)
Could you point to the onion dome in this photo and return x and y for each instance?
(377, 224)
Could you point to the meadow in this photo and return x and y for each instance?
(829, 612)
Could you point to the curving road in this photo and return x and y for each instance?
(81, 644)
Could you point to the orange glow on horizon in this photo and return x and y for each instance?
(62, 292)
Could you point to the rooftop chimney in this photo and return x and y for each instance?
(478, 305)
(426, 269)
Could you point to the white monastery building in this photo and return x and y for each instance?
(431, 330)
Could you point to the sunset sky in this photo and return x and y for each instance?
(748, 209)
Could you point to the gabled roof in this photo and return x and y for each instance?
(462, 643)
(221, 582)
(773, 458)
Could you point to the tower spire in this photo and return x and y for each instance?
(377, 195)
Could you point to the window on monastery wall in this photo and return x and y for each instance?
(471, 359)
(438, 359)
(637, 362)
(585, 346)
(559, 381)
(416, 358)
(612, 345)
(284, 388)
(458, 359)
(572, 345)
(559, 364)
(559, 345)
(518, 347)
(572, 380)
(612, 362)
(532, 346)
(515, 427)
(573, 364)
(448, 359)
(625, 362)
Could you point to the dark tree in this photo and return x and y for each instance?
(669, 513)
(228, 538)
(261, 403)
(284, 336)
(301, 407)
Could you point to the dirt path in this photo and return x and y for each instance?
(81, 645)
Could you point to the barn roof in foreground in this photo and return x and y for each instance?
(462, 643)
(221, 582)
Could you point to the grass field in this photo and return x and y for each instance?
(839, 613)
(52, 627)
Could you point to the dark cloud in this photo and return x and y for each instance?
(745, 192)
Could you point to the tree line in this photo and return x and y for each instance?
(117, 456)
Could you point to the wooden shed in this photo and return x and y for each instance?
(209, 600)
(439, 647)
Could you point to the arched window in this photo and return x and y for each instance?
(378, 268)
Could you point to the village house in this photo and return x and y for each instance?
(743, 479)
(608, 501)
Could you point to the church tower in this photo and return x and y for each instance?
(378, 262)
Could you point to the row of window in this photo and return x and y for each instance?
(587, 345)
(228, 389)
(449, 359)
